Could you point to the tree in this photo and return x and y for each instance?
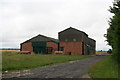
(113, 32)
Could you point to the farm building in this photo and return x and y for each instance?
(40, 44)
(92, 44)
(73, 41)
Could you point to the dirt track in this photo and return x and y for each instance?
(73, 69)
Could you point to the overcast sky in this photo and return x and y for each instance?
(21, 20)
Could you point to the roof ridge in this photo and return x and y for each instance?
(47, 37)
(39, 35)
(74, 29)
(43, 36)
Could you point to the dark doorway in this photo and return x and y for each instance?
(49, 50)
(39, 47)
(88, 49)
(82, 48)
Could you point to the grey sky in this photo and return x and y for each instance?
(23, 19)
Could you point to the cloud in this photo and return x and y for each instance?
(23, 19)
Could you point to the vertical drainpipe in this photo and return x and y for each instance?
(58, 46)
(20, 47)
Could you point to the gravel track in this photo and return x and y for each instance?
(72, 69)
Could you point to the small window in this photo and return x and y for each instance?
(74, 39)
(61, 48)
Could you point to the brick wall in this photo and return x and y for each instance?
(27, 47)
(73, 47)
(53, 45)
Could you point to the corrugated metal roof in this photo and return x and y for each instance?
(40, 38)
(74, 29)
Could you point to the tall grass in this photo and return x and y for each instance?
(106, 68)
(14, 61)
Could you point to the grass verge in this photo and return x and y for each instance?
(106, 68)
(14, 61)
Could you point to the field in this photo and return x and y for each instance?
(10, 50)
(106, 68)
(13, 61)
(101, 52)
(0, 61)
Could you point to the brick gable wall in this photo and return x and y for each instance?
(72, 47)
(27, 47)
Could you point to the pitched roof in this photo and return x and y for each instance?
(73, 29)
(92, 39)
(40, 38)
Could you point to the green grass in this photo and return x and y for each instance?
(106, 68)
(14, 61)
(0, 61)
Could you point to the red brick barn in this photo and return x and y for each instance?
(73, 41)
(40, 44)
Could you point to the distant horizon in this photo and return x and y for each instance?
(19, 49)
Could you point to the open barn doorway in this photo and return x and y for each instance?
(82, 48)
(49, 50)
(39, 47)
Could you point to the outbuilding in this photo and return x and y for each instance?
(40, 44)
(74, 41)
(70, 41)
